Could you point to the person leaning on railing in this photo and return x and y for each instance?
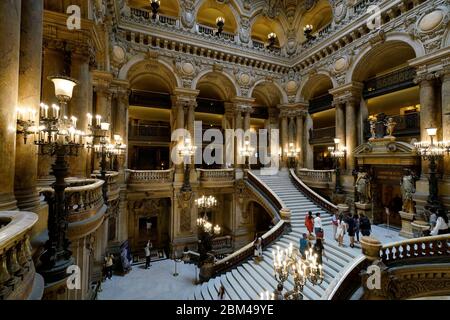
(442, 224)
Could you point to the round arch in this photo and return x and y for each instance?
(207, 12)
(272, 87)
(221, 82)
(315, 85)
(319, 16)
(261, 26)
(395, 45)
(139, 67)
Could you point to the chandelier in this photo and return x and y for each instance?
(205, 203)
(289, 263)
(187, 150)
(272, 37)
(220, 22)
(155, 5)
(337, 152)
(433, 151)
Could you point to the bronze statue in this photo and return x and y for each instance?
(363, 187)
(408, 189)
(390, 126)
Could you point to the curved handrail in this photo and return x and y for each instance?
(248, 250)
(312, 195)
(279, 204)
(20, 222)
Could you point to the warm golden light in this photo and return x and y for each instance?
(63, 87)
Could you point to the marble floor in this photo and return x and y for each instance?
(158, 282)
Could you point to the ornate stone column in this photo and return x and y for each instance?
(80, 105)
(53, 64)
(446, 115)
(9, 80)
(227, 124)
(429, 111)
(29, 98)
(284, 137)
(300, 138)
(247, 112)
(340, 120)
(102, 82)
(238, 122)
(120, 122)
(351, 138)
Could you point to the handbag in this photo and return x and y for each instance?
(320, 234)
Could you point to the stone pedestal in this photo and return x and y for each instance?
(407, 230)
(371, 248)
(343, 209)
(285, 214)
(364, 208)
(419, 227)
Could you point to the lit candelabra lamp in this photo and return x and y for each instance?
(272, 37)
(220, 22)
(204, 204)
(57, 135)
(338, 153)
(186, 151)
(289, 263)
(247, 151)
(292, 154)
(155, 5)
(26, 122)
(433, 151)
(98, 140)
(307, 31)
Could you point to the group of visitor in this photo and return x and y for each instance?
(439, 223)
(352, 225)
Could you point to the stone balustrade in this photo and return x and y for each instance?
(84, 198)
(222, 245)
(112, 180)
(216, 174)
(17, 272)
(149, 176)
(324, 176)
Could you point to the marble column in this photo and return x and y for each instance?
(351, 138)
(284, 139)
(446, 116)
(29, 98)
(121, 126)
(177, 123)
(79, 106)
(299, 139)
(53, 64)
(228, 124)
(340, 126)
(238, 161)
(9, 85)
(247, 119)
(429, 113)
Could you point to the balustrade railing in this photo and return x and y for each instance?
(425, 247)
(112, 179)
(247, 251)
(145, 14)
(84, 200)
(312, 195)
(149, 176)
(322, 134)
(202, 29)
(150, 131)
(324, 176)
(222, 243)
(16, 265)
(407, 124)
(216, 174)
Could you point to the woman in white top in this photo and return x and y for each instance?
(341, 230)
(442, 225)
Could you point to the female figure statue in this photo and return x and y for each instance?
(408, 189)
(363, 187)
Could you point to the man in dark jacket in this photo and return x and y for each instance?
(364, 225)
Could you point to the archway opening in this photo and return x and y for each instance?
(322, 133)
(149, 134)
(210, 10)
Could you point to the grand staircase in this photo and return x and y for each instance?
(248, 280)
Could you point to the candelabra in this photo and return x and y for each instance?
(187, 150)
(155, 5)
(288, 262)
(307, 30)
(220, 22)
(247, 151)
(25, 122)
(98, 140)
(272, 37)
(57, 136)
(292, 153)
(337, 153)
(433, 152)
